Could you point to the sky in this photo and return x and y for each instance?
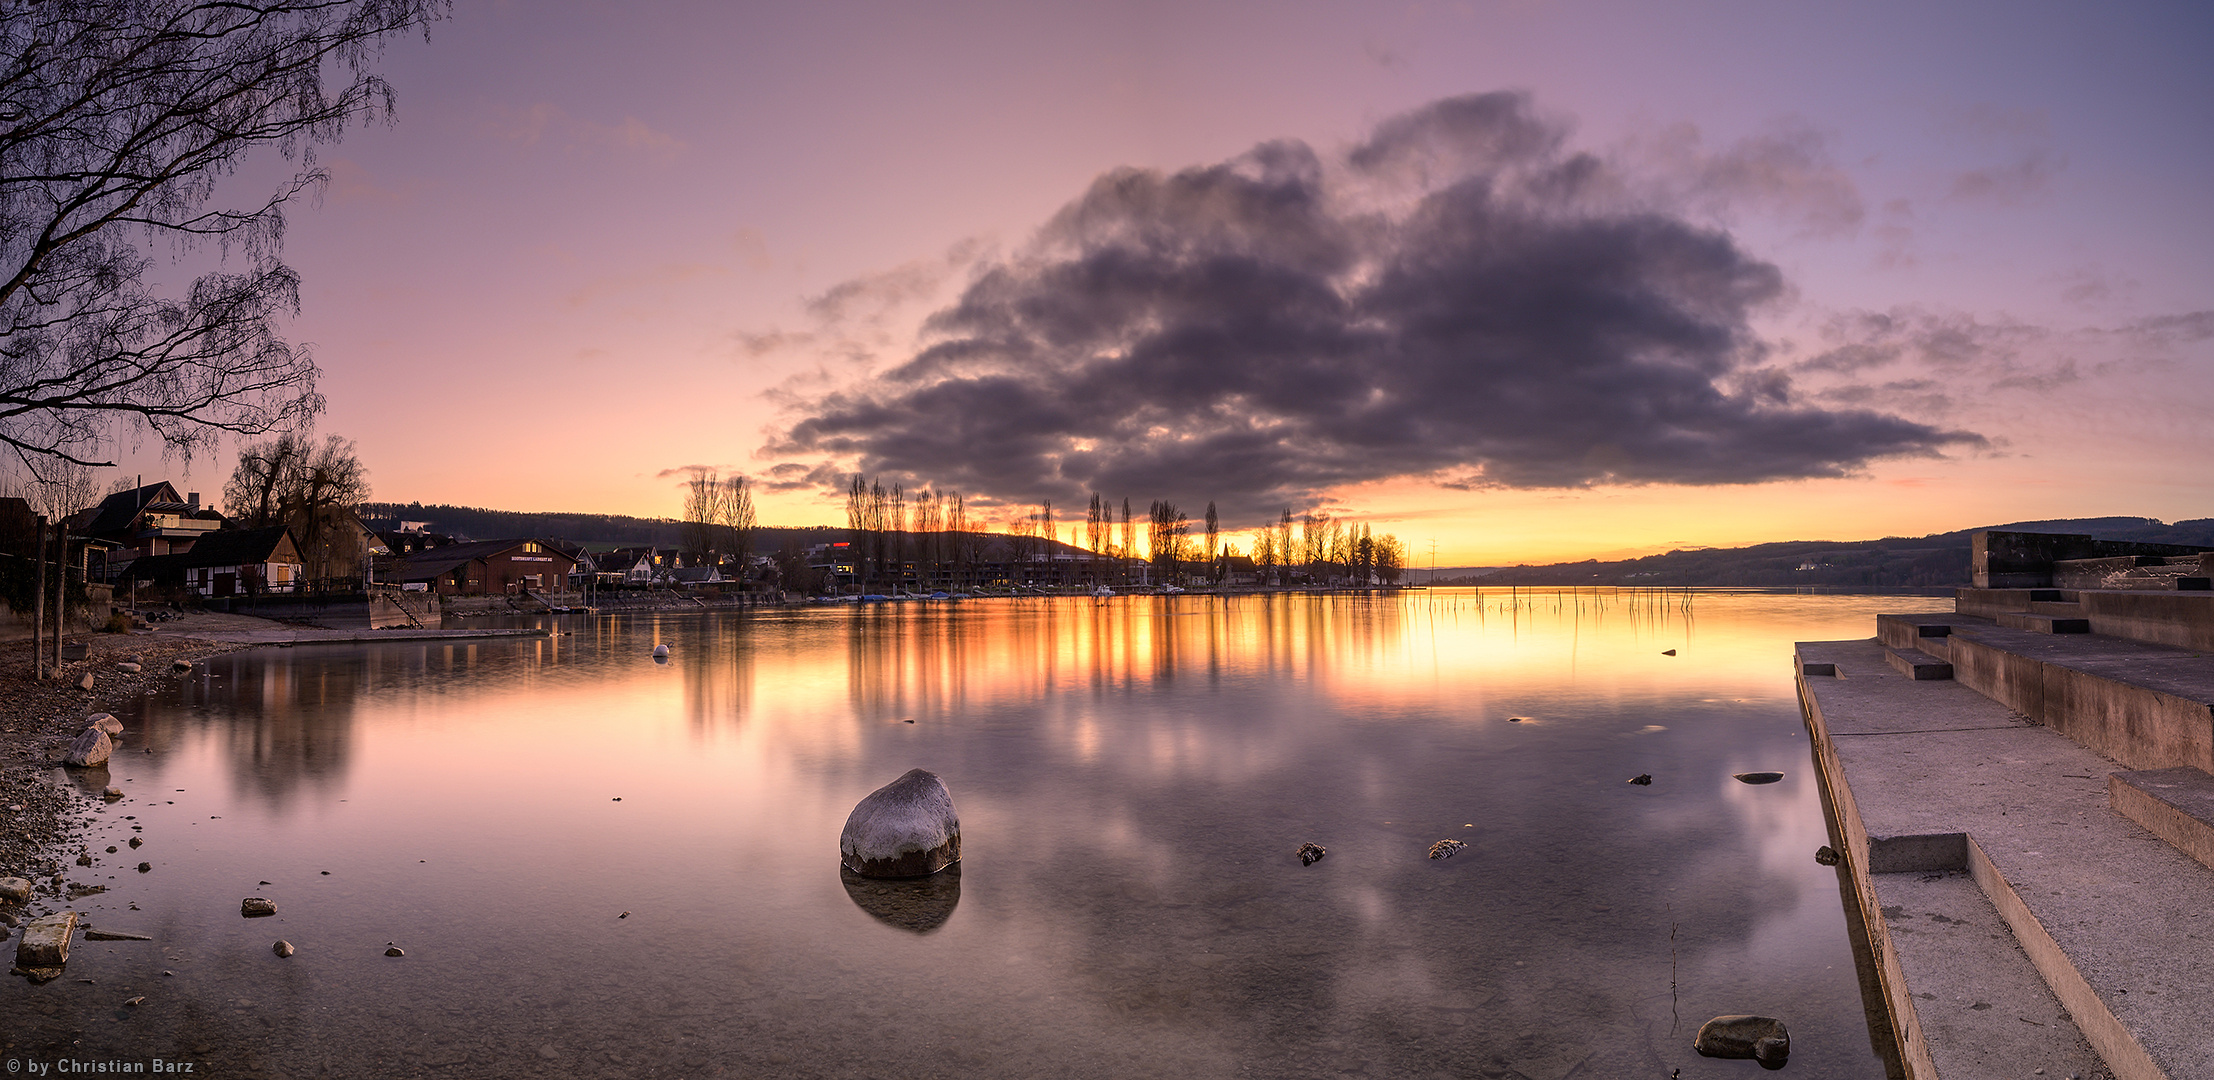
(1515, 282)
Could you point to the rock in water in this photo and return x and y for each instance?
(180, 665)
(906, 828)
(1826, 855)
(1310, 854)
(105, 722)
(1759, 777)
(1668, 652)
(15, 890)
(1761, 1038)
(282, 948)
(45, 941)
(1643, 779)
(92, 748)
(1444, 849)
(661, 650)
(257, 907)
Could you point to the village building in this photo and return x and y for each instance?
(146, 521)
(228, 562)
(480, 568)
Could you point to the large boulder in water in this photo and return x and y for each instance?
(92, 748)
(906, 828)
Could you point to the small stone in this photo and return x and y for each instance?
(136, 1001)
(1826, 855)
(145, 867)
(180, 665)
(84, 860)
(91, 748)
(127, 668)
(906, 828)
(1761, 1038)
(1516, 719)
(168, 974)
(105, 722)
(255, 907)
(395, 951)
(135, 841)
(112, 793)
(1668, 652)
(624, 915)
(1310, 854)
(282, 948)
(1445, 849)
(86, 682)
(1642, 779)
(1759, 777)
(111, 849)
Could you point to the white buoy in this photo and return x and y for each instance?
(661, 650)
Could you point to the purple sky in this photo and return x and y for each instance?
(1831, 272)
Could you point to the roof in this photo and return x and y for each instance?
(120, 512)
(224, 547)
(425, 565)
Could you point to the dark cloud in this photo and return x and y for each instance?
(1458, 298)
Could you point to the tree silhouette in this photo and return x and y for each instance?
(118, 121)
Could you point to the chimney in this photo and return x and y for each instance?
(192, 499)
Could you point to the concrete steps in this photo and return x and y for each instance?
(2146, 706)
(2176, 805)
(1933, 785)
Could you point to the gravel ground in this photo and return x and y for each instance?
(39, 820)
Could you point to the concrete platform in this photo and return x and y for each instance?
(1933, 784)
(2045, 622)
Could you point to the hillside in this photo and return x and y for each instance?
(1940, 559)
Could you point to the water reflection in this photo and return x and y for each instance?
(918, 905)
(1135, 779)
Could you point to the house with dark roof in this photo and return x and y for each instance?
(227, 562)
(481, 568)
(144, 521)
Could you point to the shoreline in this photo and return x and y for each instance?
(39, 719)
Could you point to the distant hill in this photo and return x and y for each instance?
(1937, 560)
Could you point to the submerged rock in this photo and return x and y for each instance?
(1444, 849)
(394, 950)
(661, 650)
(906, 828)
(916, 905)
(180, 665)
(97, 934)
(1761, 1038)
(92, 748)
(1759, 777)
(1310, 854)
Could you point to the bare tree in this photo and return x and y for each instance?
(319, 505)
(1214, 536)
(118, 121)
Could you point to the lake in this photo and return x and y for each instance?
(597, 864)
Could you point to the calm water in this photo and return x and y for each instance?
(1133, 778)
